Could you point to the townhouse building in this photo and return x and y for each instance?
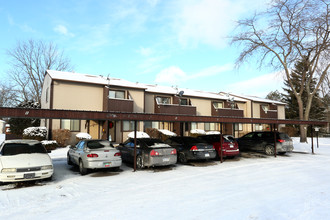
(74, 91)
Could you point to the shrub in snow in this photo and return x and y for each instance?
(36, 133)
(161, 134)
(197, 132)
(61, 136)
(139, 134)
(50, 145)
(83, 136)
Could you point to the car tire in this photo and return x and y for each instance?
(82, 169)
(69, 162)
(269, 150)
(139, 162)
(281, 153)
(182, 158)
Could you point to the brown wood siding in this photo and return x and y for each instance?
(227, 112)
(272, 113)
(175, 109)
(120, 105)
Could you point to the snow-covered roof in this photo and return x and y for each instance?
(101, 80)
(258, 99)
(78, 77)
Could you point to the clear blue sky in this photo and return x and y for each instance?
(167, 42)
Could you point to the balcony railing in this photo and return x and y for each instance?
(175, 109)
(227, 112)
(268, 114)
(120, 105)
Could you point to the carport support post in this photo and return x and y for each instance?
(312, 139)
(135, 125)
(221, 156)
(275, 150)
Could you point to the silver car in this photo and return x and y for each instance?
(94, 154)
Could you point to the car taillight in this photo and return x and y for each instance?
(213, 147)
(281, 140)
(173, 151)
(154, 153)
(118, 154)
(194, 148)
(92, 155)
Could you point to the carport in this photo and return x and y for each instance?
(136, 117)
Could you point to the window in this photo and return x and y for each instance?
(47, 95)
(183, 101)
(211, 126)
(150, 124)
(70, 124)
(218, 105)
(265, 108)
(116, 94)
(239, 127)
(128, 125)
(193, 125)
(163, 100)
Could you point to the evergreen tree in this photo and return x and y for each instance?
(17, 125)
(275, 95)
(317, 111)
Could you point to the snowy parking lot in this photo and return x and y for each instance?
(293, 186)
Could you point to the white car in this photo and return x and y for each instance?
(94, 154)
(23, 160)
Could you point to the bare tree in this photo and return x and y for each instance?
(8, 97)
(289, 31)
(29, 61)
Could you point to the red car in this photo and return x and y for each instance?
(229, 144)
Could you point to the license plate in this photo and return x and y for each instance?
(231, 146)
(29, 175)
(166, 159)
(107, 164)
(207, 154)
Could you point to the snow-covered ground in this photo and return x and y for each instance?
(294, 186)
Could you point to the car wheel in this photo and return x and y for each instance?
(69, 160)
(82, 169)
(281, 153)
(269, 150)
(182, 158)
(139, 162)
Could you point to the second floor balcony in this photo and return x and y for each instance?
(175, 109)
(228, 112)
(119, 105)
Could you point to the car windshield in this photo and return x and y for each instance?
(19, 148)
(284, 136)
(98, 144)
(229, 138)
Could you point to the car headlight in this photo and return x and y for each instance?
(8, 170)
(48, 167)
